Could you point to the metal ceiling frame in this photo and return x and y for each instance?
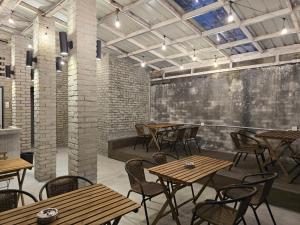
(184, 18)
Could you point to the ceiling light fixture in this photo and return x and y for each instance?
(164, 47)
(230, 16)
(181, 66)
(143, 64)
(10, 19)
(117, 21)
(194, 56)
(284, 29)
(29, 46)
(215, 63)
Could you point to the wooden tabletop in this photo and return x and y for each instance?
(280, 135)
(161, 125)
(176, 171)
(12, 165)
(96, 204)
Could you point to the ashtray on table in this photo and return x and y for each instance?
(189, 165)
(47, 216)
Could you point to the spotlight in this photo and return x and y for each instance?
(11, 21)
(30, 59)
(98, 50)
(64, 44)
(117, 21)
(29, 46)
(284, 29)
(164, 47)
(58, 64)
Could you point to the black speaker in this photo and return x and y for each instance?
(29, 58)
(63, 43)
(8, 72)
(98, 50)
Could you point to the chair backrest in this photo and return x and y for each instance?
(161, 157)
(180, 133)
(135, 171)
(235, 139)
(140, 129)
(61, 185)
(193, 132)
(263, 182)
(9, 198)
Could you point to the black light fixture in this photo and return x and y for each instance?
(59, 63)
(8, 71)
(30, 59)
(64, 44)
(32, 74)
(98, 50)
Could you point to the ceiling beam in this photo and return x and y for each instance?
(55, 8)
(202, 10)
(294, 17)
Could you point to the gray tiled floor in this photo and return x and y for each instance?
(112, 174)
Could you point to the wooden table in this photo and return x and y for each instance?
(154, 128)
(285, 138)
(205, 167)
(13, 167)
(96, 204)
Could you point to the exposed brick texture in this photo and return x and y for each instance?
(82, 89)
(44, 98)
(21, 111)
(5, 52)
(123, 97)
(264, 98)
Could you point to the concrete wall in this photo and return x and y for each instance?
(123, 97)
(264, 97)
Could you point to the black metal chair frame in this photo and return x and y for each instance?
(223, 201)
(243, 150)
(179, 138)
(296, 158)
(19, 192)
(144, 196)
(270, 177)
(192, 138)
(58, 178)
(145, 138)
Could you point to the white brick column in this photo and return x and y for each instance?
(44, 98)
(82, 89)
(21, 111)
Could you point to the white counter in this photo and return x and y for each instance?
(10, 141)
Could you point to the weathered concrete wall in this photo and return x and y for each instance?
(264, 97)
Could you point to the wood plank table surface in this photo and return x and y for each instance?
(13, 167)
(95, 204)
(205, 167)
(285, 138)
(155, 127)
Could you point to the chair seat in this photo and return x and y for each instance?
(255, 200)
(217, 214)
(150, 188)
(251, 149)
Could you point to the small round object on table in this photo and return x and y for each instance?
(47, 216)
(189, 165)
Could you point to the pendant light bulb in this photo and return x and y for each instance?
(194, 56)
(143, 64)
(284, 29)
(117, 21)
(11, 21)
(62, 62)
(181, 67)
(215, 63)
(164, 47)
(218, 38)
(196, 1)
(230, 16)
(29, 46)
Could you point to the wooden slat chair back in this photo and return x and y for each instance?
(9, 198)
(61, 185)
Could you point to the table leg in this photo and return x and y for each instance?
(20, 182)
(116, 221)
(210, 180)
(153, 133)
(169, 197)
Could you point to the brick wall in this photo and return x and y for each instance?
(6, 83)
(123, 97)
(263, 97)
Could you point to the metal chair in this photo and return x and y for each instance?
(177, 138)
(141, 135)
(192, 138)
(9, 198)
(61, 185)
(296, 158)
(139, 184)
(246, 145)
(263, 182)
(219, 212)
